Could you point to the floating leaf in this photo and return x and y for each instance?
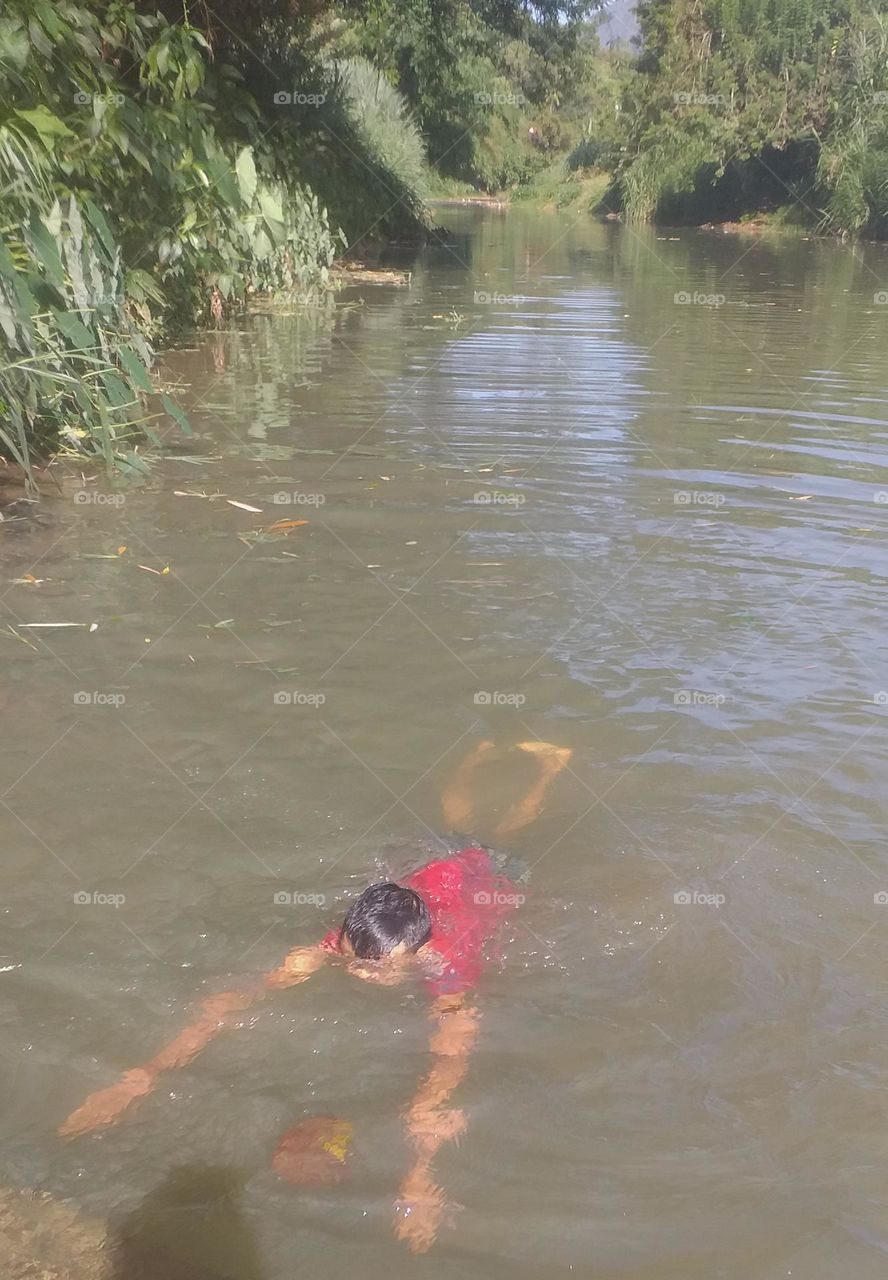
(283, 526)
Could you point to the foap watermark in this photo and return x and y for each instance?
(696, 898)
(82, 99)
(298, 698)
(881, 698)
(98, 698)
(296, 498)
(698, 498)
(497, 899)
(107, 300)
(286, 898)
(488, 698)
(96, 498)
(299, 99)
(90, 898)
(684, 298)
(880, 297)
(698, 698)
(483, 298)
(690, 98)
(880, 97)
(498, 498)
(499, 99)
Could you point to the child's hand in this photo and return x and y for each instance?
(298, 965)
(107, 1105)
(382, 973)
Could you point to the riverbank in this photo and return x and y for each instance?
(44, 1239)
(202, 182)
(558, 190)
(554, 188)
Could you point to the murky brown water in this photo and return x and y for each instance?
(678, 569)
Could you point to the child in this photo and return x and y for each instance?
(439, 918)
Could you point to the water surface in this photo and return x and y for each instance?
(624, 491)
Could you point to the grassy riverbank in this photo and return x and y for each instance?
(556, 187)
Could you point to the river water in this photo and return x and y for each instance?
(621, 491)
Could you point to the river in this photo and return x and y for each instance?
(624, 491)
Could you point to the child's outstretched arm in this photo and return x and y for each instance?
(107, 1105)
(422, 1205)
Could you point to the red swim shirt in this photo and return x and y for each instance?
(467, 901)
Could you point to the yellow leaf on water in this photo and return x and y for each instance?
(283, 526)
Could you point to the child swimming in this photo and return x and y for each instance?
(439, 918)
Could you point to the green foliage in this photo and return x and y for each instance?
(853, 163)
(478, 75)
(382, 120)
(749, 104)
(73, 362)
(186, 183)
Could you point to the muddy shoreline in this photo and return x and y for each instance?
(42, 1239)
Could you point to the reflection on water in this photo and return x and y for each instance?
(589, 511)
(188, 1228)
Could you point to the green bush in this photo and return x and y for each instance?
(381, 118)
(73, 362)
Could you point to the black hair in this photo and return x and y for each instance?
(383, 916)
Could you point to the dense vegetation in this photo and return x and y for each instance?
(735, 107)
(160, 163)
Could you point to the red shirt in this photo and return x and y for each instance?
(467, 901)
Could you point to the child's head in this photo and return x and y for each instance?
(387, 919)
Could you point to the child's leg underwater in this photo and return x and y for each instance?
(457, 798)
(457, 801)
(550, 760)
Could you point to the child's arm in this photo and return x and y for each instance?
(107, 1105)
(422, 1205)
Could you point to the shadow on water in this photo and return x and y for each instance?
(190, 1227)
